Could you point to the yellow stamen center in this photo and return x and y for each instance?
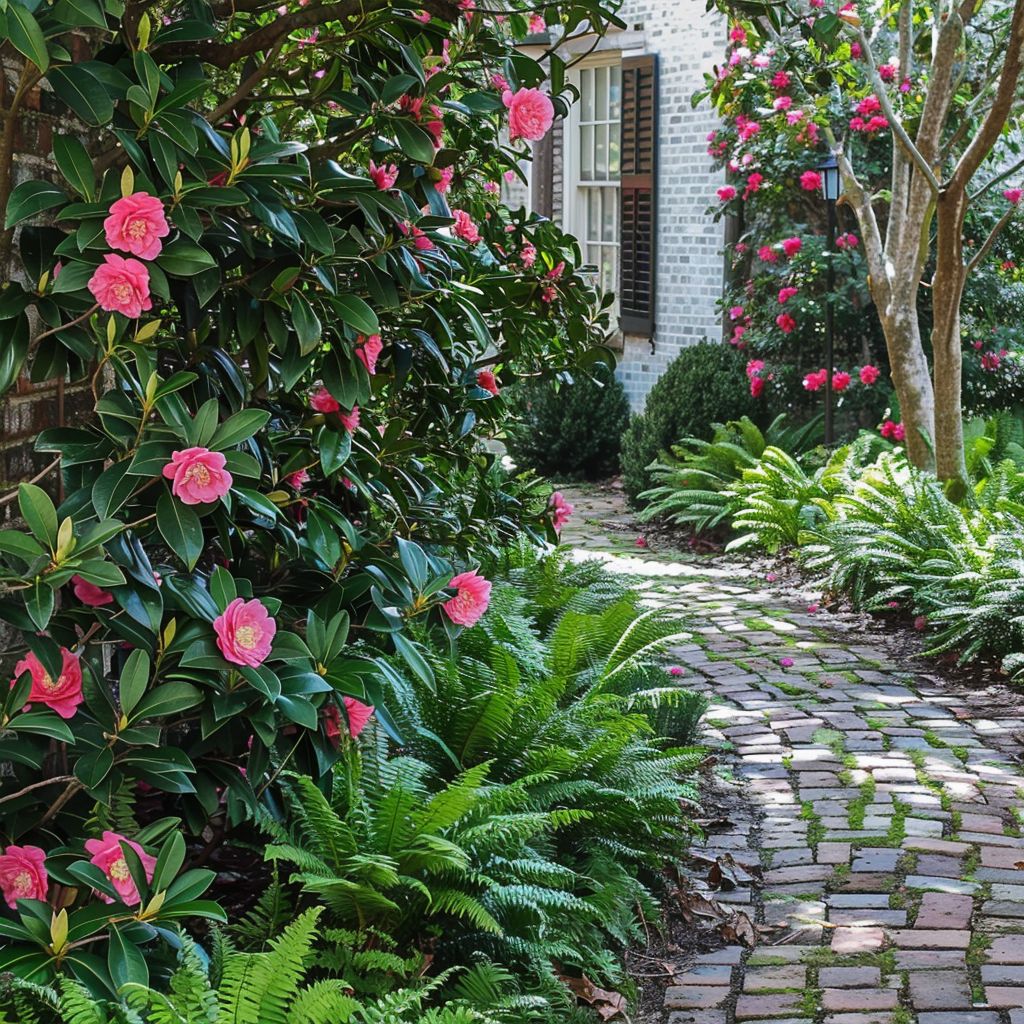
(199, 473)
(248, 636)
(119, 870)
(22, 883)
(122, 291)
(137, 228)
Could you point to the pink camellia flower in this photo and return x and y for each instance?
(855, 50)
(726, 193)
(791, 246)
(840, 380)
(537, 23)
(1013, 195)
(735, 312)
(893, 431)
(121, 286)
(887, 72)
(385, 176)
(756, 387)
(810, 181)
(368, 351)
(358, 715)
(298, 479)
(530, 114)
(244, 632)
(785, 294)
(465, 228)
(812, 608)
(350, 420)
(869, 374)
(473, 595)
(785, 323)
(561, 510)
(770, 577)
(738, 34)
(786, 662)
(782, 102)
(754, 367)
(641, 542)
(500, 82)
(847, 241)
(323, 401)
(485, 379)
(815, 381)
(781, 80)
(423, 17)
(921, 622)
(676, 670)
(754, 182)
(528, 254)
(767, 254)
(198, 476)
(868, 106)
(63, 695)
(108, 856)
(136, 224)
(88, 593)
(23, 874)
(445, 181)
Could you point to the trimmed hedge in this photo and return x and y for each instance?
(703, 385)
(574, 431)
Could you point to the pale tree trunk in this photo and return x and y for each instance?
(910, 377)
(947, 354)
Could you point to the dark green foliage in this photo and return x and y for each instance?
(704, 385)
(569, 430)
(693, 481)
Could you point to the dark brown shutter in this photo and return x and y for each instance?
(542, 176)
(637, 189)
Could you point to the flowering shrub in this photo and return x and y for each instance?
(294, 307)
(788, 95)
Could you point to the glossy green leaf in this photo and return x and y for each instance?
(180, 528)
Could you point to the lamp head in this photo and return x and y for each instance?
(829, 169)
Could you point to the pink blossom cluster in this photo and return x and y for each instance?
(893, 431)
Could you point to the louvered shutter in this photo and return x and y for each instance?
(638, 194)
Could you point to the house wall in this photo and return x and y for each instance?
(688, 42)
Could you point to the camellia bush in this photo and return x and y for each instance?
(917, 109)
(275, 252)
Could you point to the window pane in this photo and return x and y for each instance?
(587, 152)
(601, 153)
(608, 268)
(611, 196)
(593, 214)
(613, 151)
(614, 93)
(601, 94)
(587, 94)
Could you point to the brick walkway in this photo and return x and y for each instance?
(886, 818)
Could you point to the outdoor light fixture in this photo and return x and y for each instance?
(829, 170)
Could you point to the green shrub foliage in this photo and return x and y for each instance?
(702, 386)
(569, 429)
(273, 251)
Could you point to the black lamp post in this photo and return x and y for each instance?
(829, 170)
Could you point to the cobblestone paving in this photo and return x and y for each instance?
(886, 819)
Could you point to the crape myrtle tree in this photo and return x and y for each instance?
(274, 250)
(918, 103)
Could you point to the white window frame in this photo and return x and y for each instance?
(573, 197)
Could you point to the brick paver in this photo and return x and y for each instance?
(883, 810)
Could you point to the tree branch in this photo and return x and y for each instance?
(992, 235)
(224, 55)
(1006, 91)
(890, 115)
